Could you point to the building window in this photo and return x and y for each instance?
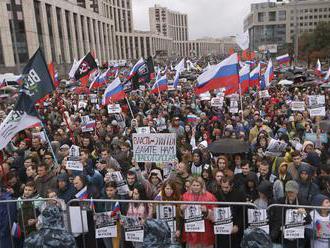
(282, 15)
(261, 17)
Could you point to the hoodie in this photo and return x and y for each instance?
(68, 192)
(307, 189)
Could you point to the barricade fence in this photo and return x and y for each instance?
(119, 223)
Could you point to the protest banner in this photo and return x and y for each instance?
(159, 147)
(223, 221)
(233, 108)
(217, 102)
(122, 187)
(297, 106)
(193, 219)
(264, 94)
(275, 148)
(105, 225)
(133, 229)
(114, 109)
(294, 224)
(167, 213)
(316, 100)
(257, 218)
(320, 111)
(88, 126)
(73, 161)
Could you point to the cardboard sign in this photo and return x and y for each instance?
(264, 94)
(257, 218)
(105, 225)
(223, 221)
(193, 219)
(74, 165)
(133, 229)
(73, 162)
(294, 225)
(159, 147)
(317, 112)
(114, 109)
(217, 102)
(298, 106)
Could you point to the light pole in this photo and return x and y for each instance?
(296, 37)
(14, 22)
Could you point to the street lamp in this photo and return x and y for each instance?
(296, 37)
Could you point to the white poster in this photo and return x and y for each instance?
(223, 221)
(275, 148)
(114, 109)
(93, 98)
(73, 161)
(78, 220)
(257, 218)
(264, 94)
(217, 102)
(168, 168)
(105, 225)
(317, 112)
(82, 104)
(193, 219)
(294, 224)
(159, 147)
(122, 187)
(74, 165)
(133, 229)
(167, 213)
(297, 106)
(88, 126)
(143, 129)
(316, 100)
(233, 108)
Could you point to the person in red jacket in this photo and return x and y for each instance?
(198, 193)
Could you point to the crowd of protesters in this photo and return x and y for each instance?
(298, 176)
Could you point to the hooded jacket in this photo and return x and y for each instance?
(69, 191)
(308, 189)
(250, 194)
(44, 183)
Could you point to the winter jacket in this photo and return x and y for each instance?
(43, 184)
(8, 217)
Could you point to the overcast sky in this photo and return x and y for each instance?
(212, 18)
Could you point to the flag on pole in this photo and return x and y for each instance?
(283, 59)
(136, 68)
(318, 69)
(243, 41)
(159, 85)
(84, 68)
(225, 74)
(326, 78)
(114, 92)
(179, 68)
(268, 76)
(100, 80)
(115, 210)
(255, 77)
(16, 231)
(82, 194)
(244, 79)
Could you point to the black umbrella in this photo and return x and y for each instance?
(228, 146)
(325, 125)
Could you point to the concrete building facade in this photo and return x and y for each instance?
(68, 29)
(277, 23)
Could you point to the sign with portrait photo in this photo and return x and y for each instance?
(193, 219)
(223, 221)
(105, 225)
(294, 224)
(257, 218)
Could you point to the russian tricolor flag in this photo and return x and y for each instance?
(284, 59)
(16, 231)
(136, 68)
(223, 75)
(318, 69)
(255, 77)
(115, 210)
(179, 68)
(268, 76)
(192, 118)
(244, 78)
(326, 78)
(114, 92)
(159, 85)
(100, 80)
(82, 194)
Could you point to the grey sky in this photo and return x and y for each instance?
(212, 18)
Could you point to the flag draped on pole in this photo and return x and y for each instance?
(100, 80)
(318, 69)
(179, 68)
(114, 92)
(223, 75)
(255, 77)
(268, 76)
(37, 83)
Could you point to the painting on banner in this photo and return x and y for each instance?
(159, 147)
(133, 229)
(193, 219)
(257, 218)
(294, 224)
(223, 221)
(105, 225)
(73, 161)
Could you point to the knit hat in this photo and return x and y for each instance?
(313, 159)
(203, 143)
(292, 186)
(305, 167)
(319, 199)
(266, 188)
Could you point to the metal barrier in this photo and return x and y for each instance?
(273, 211)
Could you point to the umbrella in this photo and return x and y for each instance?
(325, 125)
(285, 82)
(228, 146)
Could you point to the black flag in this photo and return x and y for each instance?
(37, 83)
(85, 66)
(145, 73)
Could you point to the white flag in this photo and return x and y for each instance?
(243, 40)
(15, 122)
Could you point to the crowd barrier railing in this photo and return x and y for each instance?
(90, 225)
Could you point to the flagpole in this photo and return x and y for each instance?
(48, 141)
(240, 97)
(129, 105)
